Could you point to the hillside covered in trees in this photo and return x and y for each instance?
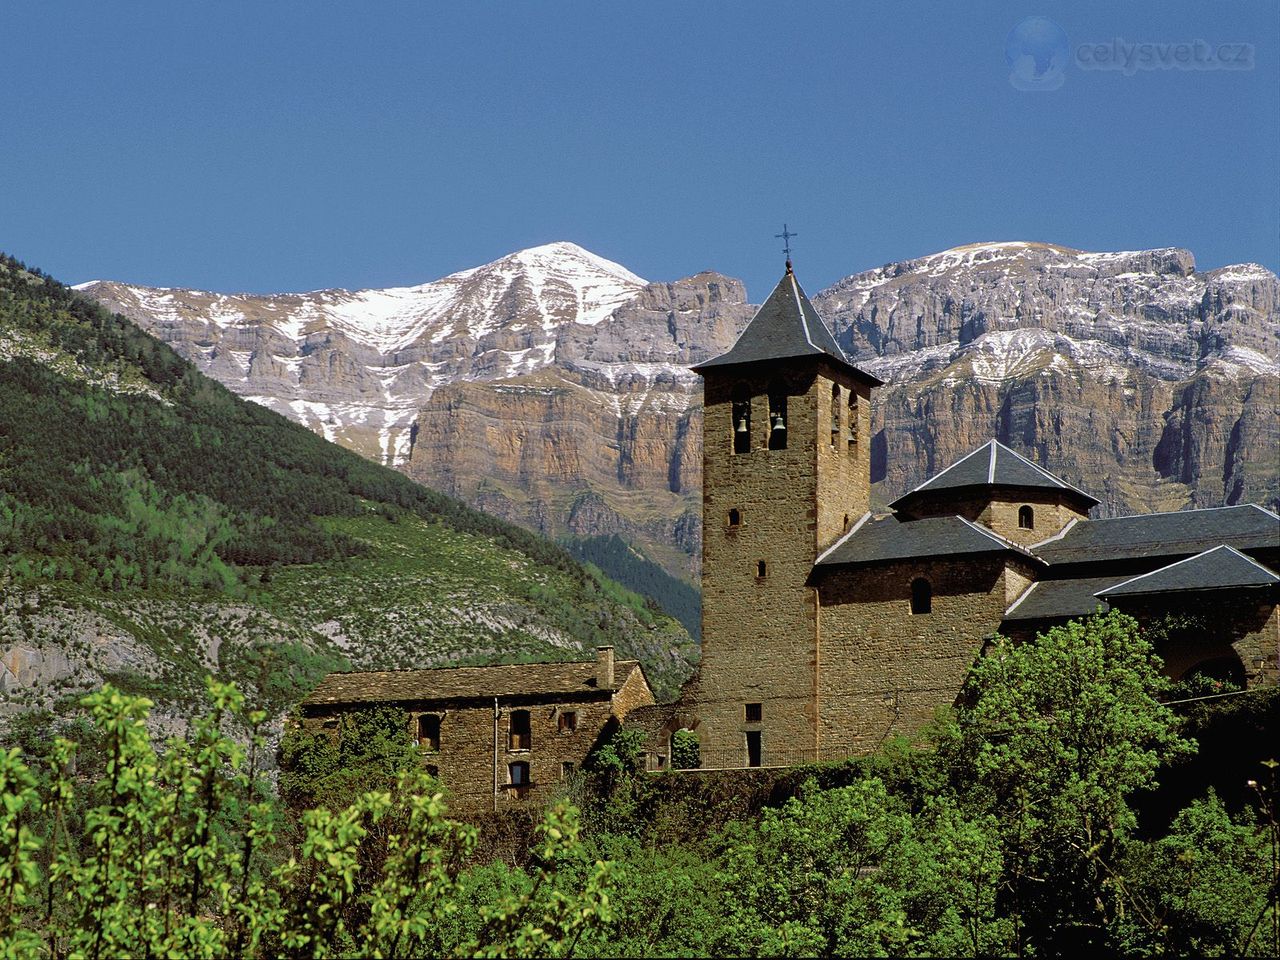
(154, 526)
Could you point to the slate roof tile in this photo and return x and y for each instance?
(1060, 599)
(1221, 568)
(785, 326)
(879, 539)
(1186, 532)
(993, 465)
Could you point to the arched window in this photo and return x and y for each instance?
(521, 734)
(735, 517)
(741, 423)
(853, 420)
(921, 596)
(835, 415)
(1026, 518)
(777, 417)
(762, 569)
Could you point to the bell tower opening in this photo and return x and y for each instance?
(777, 416)
(741, 420)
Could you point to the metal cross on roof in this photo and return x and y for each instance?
(785, 236)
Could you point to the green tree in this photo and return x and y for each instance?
(173, 858)
(1052, 740)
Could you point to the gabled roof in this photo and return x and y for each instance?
(786, 326)
(1059, 599)
(993, 465)
(467, 683)
(1186, 532)
(889, 538)
(1222, 568)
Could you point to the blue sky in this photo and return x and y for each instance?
(294, 145)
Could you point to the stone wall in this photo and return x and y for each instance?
(1226, 625)
(469, 753)
(883, 670)
(998, 510)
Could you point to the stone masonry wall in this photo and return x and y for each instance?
(465, 761)
(999, 512)
(883, 670)
(1242, 625)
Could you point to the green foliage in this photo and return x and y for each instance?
(1015, 837)
(686, 751)
(1202, 889)
(177, 854)
(369, 750)
(622, 563)
(1055, 737)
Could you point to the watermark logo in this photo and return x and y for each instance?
(1037, 51)
(1130, 56)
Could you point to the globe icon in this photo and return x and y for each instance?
(1037, 53)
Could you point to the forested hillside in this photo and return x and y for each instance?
(153, 526)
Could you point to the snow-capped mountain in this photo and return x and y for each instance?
(355, 365)
(551, 386)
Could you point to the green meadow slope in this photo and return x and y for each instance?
(155, 527)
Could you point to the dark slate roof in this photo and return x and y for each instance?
(785, 326)
(466, 683)
(1186, 532)
(1059, 599)
(874, 540)
(993, 465)
(1222, 568)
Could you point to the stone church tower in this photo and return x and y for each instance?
(786, 472)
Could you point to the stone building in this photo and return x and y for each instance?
(827, 628)
(496, 736)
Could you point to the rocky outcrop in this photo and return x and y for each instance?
(1129, 374)
(551, 387)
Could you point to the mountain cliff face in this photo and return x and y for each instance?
(1131, 375)
(551, 387)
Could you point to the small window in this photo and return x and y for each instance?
(754, 712)
(521, 735)
(1026, 518)
(741, 421)
(735, 517)
(846, 523)
(762, 570)
(921, 596)
(429, 731)
(753, 748)
(853, 420)
(518, 777)
(566, 770)
(777, 417)
(662, 761)
(330, 724)
(567, 722)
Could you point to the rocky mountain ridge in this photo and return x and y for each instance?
(551, 387)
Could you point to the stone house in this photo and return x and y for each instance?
(827, 628)
(495, 736)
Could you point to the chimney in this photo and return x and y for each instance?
(604, 668)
